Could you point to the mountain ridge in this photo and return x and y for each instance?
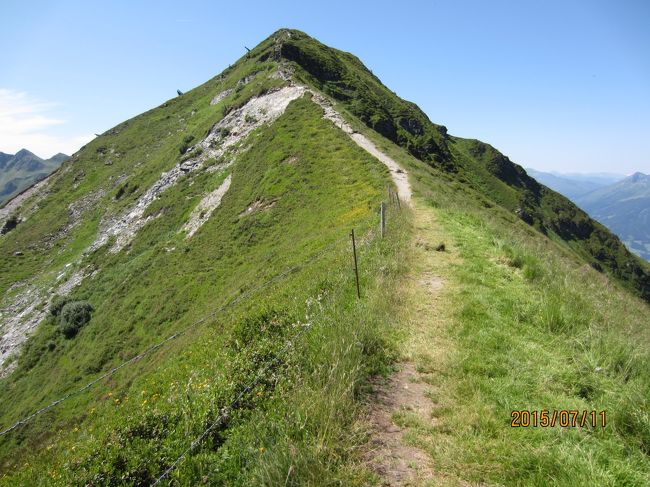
(159, 230)
(474, 162)
(573, 185)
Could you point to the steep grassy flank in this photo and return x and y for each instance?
(319, 185)
(109, 174)
(299, 421)
(552, 214)
(344, 77)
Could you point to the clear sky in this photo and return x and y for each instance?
(555, 85)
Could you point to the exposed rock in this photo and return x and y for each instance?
(220, 96)
(225, 134)
(20, 317)
(245, 80)
(258, 205)
(205, 207)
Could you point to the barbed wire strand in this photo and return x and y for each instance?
(197, 441)
(156, 346)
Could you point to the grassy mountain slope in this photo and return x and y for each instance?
(521, 323)
(164, 281)
(343, 76)
(517, 294)
(20, 171)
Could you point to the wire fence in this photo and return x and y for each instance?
(224, 412)
(153, 348)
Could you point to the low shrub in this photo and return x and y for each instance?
(57, 304)
(10, 224)
(74, 315)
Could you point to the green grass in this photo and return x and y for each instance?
(525, 324)
(298, 419)
(534, 333)
(469, 163)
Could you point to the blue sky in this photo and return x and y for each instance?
(561, 86)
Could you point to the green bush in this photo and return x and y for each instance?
(10, 224)
(57, 304)
(74, 315)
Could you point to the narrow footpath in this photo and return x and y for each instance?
(404, 408)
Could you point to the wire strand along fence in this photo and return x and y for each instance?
(393, 199)
(153, 348)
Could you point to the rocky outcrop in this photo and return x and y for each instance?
(225, 134)
(206, 206)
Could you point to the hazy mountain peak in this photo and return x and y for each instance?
(59, 157)
(637, 177)
(24, 153)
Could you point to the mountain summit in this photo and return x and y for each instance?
(21, 170)
(204, 295)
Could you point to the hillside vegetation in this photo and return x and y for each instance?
(258, 354)
(343, 76)
(521, 323)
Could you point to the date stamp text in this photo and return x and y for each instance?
(565, 418)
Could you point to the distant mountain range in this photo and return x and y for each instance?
(624, 207)
(21, 170)
(620, 203)
(574, 185)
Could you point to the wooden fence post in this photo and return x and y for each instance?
(356, 268)
(382, 217)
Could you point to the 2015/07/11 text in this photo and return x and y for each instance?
(566, 418)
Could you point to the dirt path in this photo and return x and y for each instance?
(405, 398)
(404, 403)
(404, 409)
(400, 177)
(391, 457)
